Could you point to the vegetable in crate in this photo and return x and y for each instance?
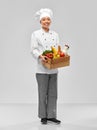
(57, 58)
(54, 53)
(57, 53)
(48, 53)
(60, 52)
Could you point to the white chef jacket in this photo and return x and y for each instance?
(41, 41)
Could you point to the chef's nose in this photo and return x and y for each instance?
(47, 20)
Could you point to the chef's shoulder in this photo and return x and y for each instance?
(36, 33)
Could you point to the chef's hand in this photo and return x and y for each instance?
(43, 58)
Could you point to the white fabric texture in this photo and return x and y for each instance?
(41, 41)
(43, 13)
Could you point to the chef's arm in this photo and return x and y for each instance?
(34, 47)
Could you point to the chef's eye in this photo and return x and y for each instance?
(48, 19)
(43, 19)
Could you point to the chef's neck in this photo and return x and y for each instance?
(45, 29)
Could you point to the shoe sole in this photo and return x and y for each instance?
(43, 123)
(53, 122)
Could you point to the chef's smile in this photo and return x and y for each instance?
(45, 23)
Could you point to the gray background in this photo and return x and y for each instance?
(76, 23)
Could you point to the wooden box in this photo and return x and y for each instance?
(57, 63)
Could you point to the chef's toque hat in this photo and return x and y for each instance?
(46, 12)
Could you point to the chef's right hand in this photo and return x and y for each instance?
(43, 58)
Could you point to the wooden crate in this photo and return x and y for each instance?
(57, 63)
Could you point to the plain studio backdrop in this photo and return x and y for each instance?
(75, 22)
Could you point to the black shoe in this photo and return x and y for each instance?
(44, 120)
(54, 120)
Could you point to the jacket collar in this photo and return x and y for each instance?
(44, 31)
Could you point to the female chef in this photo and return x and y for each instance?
(42, 40)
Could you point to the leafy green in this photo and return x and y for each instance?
(47, 51)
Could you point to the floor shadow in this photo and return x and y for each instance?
(36, 125)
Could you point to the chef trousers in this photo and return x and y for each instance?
(47, 95)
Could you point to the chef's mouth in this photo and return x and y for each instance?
(47, 24)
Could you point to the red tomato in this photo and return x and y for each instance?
(62, 54)
(49, 55)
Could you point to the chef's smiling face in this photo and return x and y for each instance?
(45, 22)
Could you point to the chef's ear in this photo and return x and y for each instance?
(40, 21)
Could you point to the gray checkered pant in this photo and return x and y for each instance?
(47, 94)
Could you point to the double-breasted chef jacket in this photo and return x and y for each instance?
(41, 41)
